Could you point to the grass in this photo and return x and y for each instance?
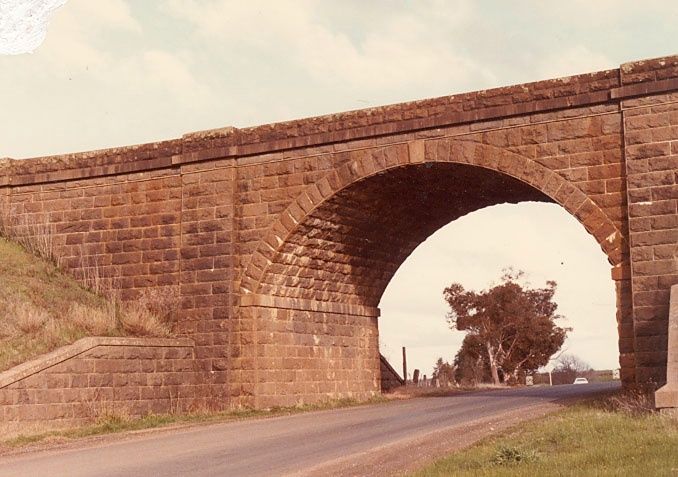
(44, 308)
(600, 438)
(114, 422)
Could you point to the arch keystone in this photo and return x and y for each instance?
(417, 151)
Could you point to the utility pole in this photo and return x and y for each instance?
(405, 366)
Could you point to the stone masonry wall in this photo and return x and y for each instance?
(125, 229)
(651, 133)
(574, 157)
(651, 156)
(207, 268)
(306, 357)
(96, 377)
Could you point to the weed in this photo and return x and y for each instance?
(26, 317)
(510, 455)
(162, 303)
(35, 233)
(139, 321)
(94, 321)
(633, 403)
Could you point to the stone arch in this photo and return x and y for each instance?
(280, 264)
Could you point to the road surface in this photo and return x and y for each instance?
(332, 442)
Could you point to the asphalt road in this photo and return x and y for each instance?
(282, 445)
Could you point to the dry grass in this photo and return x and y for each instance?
(27, 318)
(630, 403)
(139, 321)
(35, 233)
(94, 321)
(44, 308)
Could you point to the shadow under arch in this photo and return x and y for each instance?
(340, 242)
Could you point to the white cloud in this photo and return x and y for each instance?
(23, 24)
(102, 15)
(600, 14)
(97, 83)
(398, 48)
(573, 60)
(82, 31)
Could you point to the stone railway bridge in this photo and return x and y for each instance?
(282, 238)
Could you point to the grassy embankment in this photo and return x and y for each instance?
(599, 438)
(42, 308)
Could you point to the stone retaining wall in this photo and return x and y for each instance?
(95, 377)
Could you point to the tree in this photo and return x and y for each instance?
(470, 363)
(443, 372)
(569, 367)
(512, 324)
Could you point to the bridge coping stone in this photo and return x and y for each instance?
(64, 353)
(639, 78)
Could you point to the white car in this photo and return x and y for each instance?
(581, 381)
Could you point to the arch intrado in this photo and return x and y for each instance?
(374, 210)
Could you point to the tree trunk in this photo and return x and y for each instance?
(493, 364)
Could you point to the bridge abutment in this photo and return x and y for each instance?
(307, 356)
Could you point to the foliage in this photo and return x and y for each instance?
(470, 363)
(443, 372)
(513, 325)
(511, 455)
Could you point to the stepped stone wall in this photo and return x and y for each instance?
(98, 377)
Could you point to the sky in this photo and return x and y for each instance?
(114, 73)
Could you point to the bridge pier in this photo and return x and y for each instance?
(300, 352)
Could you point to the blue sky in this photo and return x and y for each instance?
(114, 73)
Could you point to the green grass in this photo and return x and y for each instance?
(590, 439)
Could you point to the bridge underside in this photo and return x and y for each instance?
(347, 250)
